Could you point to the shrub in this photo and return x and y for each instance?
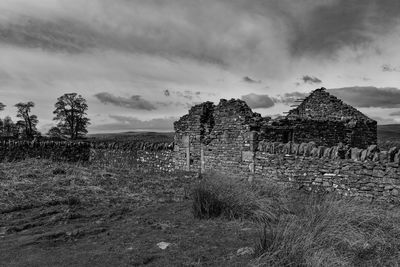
(217, 195)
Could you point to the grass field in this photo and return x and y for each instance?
(54, 214)
(60, 214)
(300, 229)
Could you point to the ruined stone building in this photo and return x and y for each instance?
(230, 131)
(326, 120)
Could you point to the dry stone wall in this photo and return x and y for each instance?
(189, 135)
(240, 142)
(143, 156)
(328, 133)
(141, 160)
(223, 129)
(365, 173)
(59, 151)
(321, 110)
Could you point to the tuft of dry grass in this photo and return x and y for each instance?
(303, 229)
(328, 231)
(217, 195)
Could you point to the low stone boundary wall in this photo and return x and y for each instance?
(372, 153)
(139, 155)
(142, 160)
(369, 179)
(132, 145)
(368, 174)
(60, 151)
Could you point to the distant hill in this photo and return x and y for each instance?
(388, 135)
(390, 132)
(134, 136)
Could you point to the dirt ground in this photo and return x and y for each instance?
(67, 215)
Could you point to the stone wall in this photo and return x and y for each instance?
(327, 133)
(190, 131)
(141, 160)
(365, 173)
(321, 110)
(364, 134)
(58, 151)
(222, 130)
(143, 156)
(232, 132)
(226, 127)
(321, 105)
(359, 134)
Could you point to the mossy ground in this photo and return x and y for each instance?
(58, 214)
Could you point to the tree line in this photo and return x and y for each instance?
(70, 116)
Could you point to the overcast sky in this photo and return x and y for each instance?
(142, 63)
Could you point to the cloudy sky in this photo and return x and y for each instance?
(141, 64)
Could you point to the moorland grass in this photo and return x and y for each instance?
(228, 197)
(303, 229)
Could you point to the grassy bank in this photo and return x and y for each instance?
(301, 229)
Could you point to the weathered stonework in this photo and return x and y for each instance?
(142, 160)
(323, 144)
(142, 156)
(58, 151)
(231, 127)
(326, 120)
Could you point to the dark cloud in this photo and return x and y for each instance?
(131, 123)
(250, 80)
(170, 104)
(343, 23)
(133, 102)
(359, 96)
(310, 79)
(290, 98)
(258, 101)
(389, 68)
(197, 30)
(60, 35)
